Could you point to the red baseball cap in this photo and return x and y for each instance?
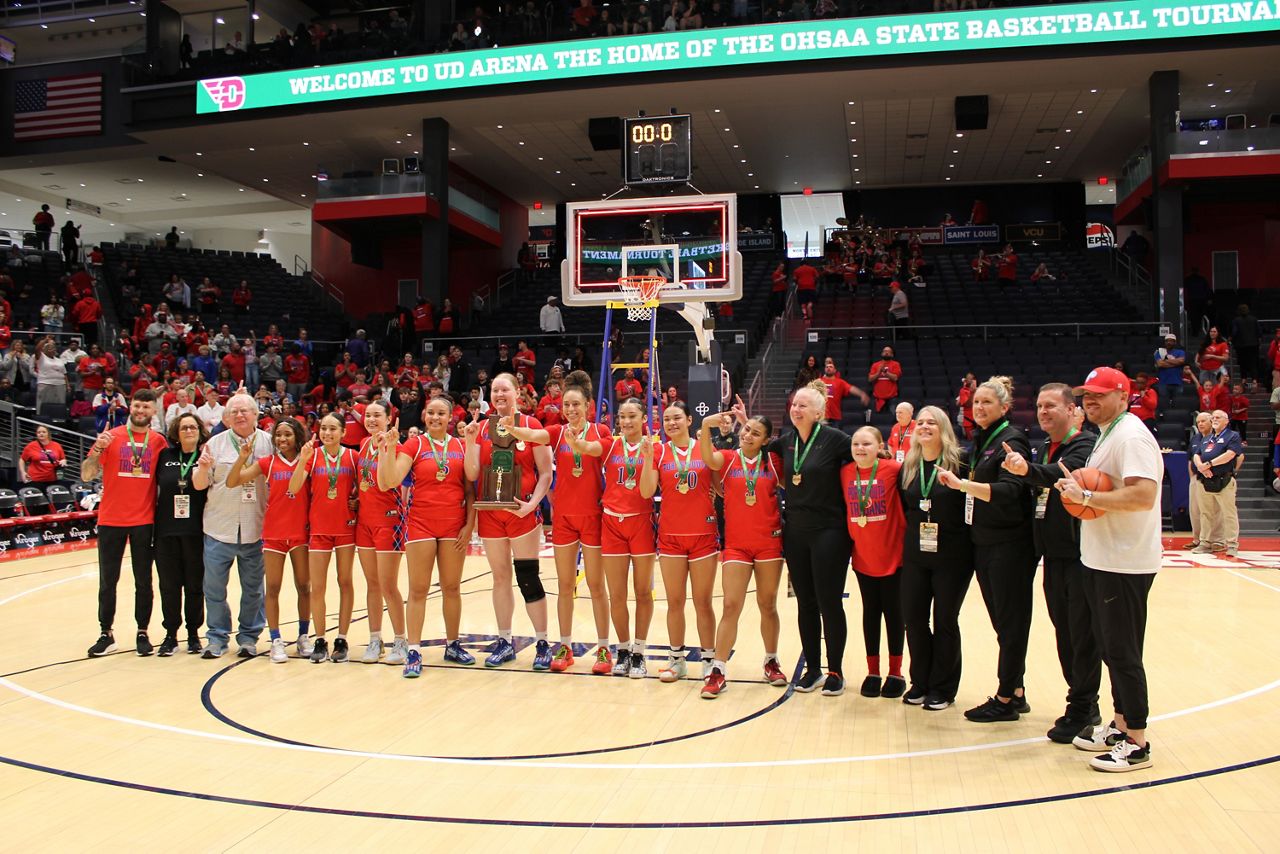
(1103, 380)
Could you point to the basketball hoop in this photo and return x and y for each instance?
(640, 295)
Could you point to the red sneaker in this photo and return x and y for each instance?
(563, 659)
(604, 662)
(773, 674)
(713, 685)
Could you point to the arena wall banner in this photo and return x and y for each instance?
(927, 236)
(1049, 231)
(755, 241)
(845, 38)
(953, 234)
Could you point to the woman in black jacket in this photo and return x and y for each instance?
(937, 560)
(998, 511)
(815, 536)
(179, 532)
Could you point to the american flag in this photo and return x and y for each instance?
(58, 107)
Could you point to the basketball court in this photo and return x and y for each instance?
(127, 752)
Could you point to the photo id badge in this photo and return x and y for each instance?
(968, 509)
(182, 506)
(929, 536)
(1042, 503)
(900, 456)
(249, 493)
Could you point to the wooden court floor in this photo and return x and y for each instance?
(134, 754)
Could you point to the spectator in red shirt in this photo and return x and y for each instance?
(838, 390)
(85, 315)
(360, 388)
(424, 322)
(1007, 267)
(79, 285)
(297, 372)
(525, 361)
(778, 289)
(981, 267)
(210, 295)
(964, 404)
(1213, 395)
(903, 429)
(550, 406)
(1214, 354)
(884, 376)
(628, 387)
(806, 279)
(584, 18)
(407, 372)
(1143, 400)
(95, 368)
(164, 361)
(242, 297)
(1239, 411)
(234, 362)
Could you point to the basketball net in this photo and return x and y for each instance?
(640, 295)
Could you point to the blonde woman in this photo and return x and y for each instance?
(937, 561)
(998, 512)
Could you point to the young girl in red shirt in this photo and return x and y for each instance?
(878, 527)
(284, 529)
(332, 471)
(752, 540)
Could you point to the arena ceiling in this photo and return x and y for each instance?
(1050, 120)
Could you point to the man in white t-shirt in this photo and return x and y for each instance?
(1121, 553)
(210, 412)
(182, 405)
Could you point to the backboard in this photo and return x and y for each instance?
(691, 241)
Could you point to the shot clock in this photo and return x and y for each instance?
(657, 150)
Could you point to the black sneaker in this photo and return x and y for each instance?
(894, 686)
(1067, 727)
(320, 650)
(834, 686)
(193, 645)
(167, 646)
(936, 704)
(1020, 704)
(340, 651)
(106, 644)
(915, 696)
(870, 686)
(992, 711)
(809, 681)
(144, 645)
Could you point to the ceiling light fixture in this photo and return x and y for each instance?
(959, 136)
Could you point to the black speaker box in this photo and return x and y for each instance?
(971, 112)
(605, 133)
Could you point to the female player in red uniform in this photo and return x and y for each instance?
(513, 535)
(878, 527)
(377, 516)
(284, 528)
(578, 447)
(626, 533)
(438, 525)
(752, 540)
(687, 540)
(332, 470)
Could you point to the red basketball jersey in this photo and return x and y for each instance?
(578, 493)
(524, 461)
(332, 516)
(751, 526)
(622, 466)
(434, 495)
(286, 516)
(685, 480)
(377, 507)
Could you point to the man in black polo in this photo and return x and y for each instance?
(1057, 536)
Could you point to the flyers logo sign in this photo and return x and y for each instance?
(226, 92)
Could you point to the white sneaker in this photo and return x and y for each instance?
(399, 653)
(1098, 739)
(305, 646)
(372, 652)
(278, 653)
(674, 670)
(1125, 756)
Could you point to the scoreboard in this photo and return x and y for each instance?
(657, 150)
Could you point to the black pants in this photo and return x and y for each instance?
(1248, 358)
(935, 653)
(180, 565)
(111, 543)
(1006, 573)
(42, 239)
(881, 598)
(1073, 630)
(818, 562)
(1119, 605)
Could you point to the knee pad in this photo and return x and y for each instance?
(528, 581)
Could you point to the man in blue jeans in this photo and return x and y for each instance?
(1169, 360)
(233, 529)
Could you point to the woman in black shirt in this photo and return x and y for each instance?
(815, 537)
(179, 549)
(937, 561)
(998, 509)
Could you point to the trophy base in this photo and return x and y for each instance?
(496, 505)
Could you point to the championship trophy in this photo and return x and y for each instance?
(500, 480)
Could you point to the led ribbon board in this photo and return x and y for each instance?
(844, 38)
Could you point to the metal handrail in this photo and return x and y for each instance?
(300, 263)
(989, 328)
